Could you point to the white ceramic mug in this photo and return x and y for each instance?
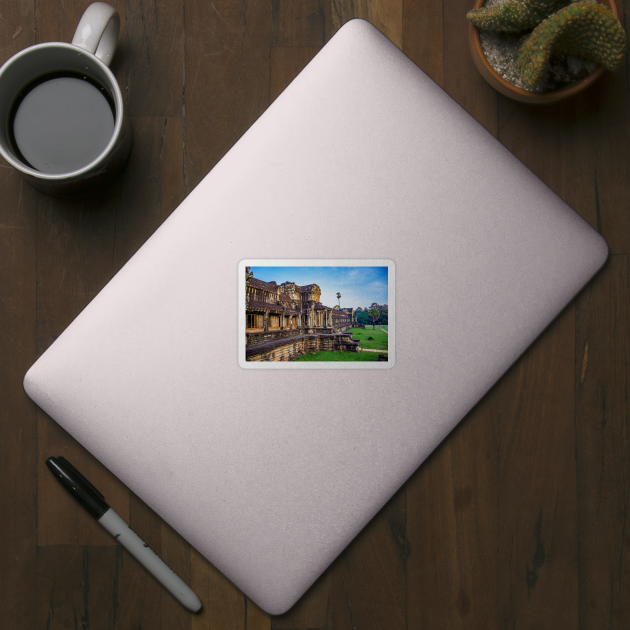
(88, 57)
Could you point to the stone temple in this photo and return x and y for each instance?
(285, 321)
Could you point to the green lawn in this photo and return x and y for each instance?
(339, 355)
(379, 341)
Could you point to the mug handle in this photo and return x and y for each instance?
(98, 30)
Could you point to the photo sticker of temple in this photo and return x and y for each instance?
(316, 313)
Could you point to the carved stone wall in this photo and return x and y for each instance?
(285, 349)
(256, 338)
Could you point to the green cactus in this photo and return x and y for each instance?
(584, 29)
(513, 16)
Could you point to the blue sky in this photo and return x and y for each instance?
(359, 286)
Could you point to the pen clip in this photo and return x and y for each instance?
(70, 467)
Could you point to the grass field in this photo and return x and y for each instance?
(338, 355)
(379, 341)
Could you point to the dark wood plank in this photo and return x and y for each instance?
(18, 422)
(603, 443)
(300, 22)
(176, 552)
(569, 145)
(369, 577)
(224, 606)
(142, 600)
(154, 57)
(313, 610)
(55, 23)
(74, 248)
(562, 147)
(608, 136)
(152, 185)
(575, 147)
(17, 28)
(60, 519)
(452, 527)
(285, 64)
(461, 78)
(18, 416)
(255, 618)
(608, 126)
(422, 36)
(537, 537)
(558, 147)
(171, 160)
(386, 15)
(226, 78)
(76, 587)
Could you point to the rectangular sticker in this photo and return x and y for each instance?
(316, 314)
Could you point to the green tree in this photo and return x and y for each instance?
(374, 314)
(339, 298)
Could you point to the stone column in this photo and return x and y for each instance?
(266, 321)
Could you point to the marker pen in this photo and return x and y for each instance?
(94, 502)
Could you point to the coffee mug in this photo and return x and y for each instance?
(62, 114)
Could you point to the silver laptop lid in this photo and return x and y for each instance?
(270, 473)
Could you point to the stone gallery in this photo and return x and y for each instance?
(285, 321)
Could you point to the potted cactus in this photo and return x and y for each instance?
(558, 49)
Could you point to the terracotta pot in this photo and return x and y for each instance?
(518, 94)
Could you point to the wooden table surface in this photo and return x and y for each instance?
(518, 520)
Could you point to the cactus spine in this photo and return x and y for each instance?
(513, 16)
(583, 29)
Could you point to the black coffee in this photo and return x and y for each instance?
(61, 123)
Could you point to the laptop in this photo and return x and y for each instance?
(194, 374)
